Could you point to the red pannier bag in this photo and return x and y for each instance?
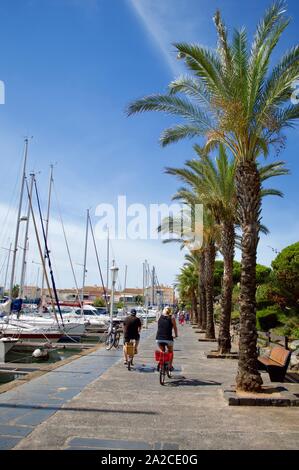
(161, 356)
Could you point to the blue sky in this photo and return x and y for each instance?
(70, 68)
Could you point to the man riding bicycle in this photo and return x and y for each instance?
(132, 328)
(164, 336)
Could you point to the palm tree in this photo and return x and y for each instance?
(180, 230)
(214, 184)
(232, 97)
(207, 252)
(188, 283)
(211, 234)
(193, 259)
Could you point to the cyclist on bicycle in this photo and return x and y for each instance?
(166, 324)
(132, 328)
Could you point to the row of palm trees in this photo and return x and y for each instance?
(213, 184)
(234, 97)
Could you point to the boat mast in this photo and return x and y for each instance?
(98, 262)
(143, 281)
(85, 256)
(47, 222)
(146, 283)
(15, 249)
(153, 286)
(7, 265)
(125, 286)
(42, 257)
(108, 267)
(25, 248)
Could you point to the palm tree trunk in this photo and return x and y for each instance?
(199, 308)
(209, 285)
(228, 249)
(202, 294)
(249, 207)
(194, 308)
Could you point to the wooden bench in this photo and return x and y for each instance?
(277, 363)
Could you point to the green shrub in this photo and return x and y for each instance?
(267, 318)
(264, 296)
(99, 302)
(237, 272)
(286, 273)
(286, 330)
(217, 312)
(262, 274)
(236, 293)
(235, 316)
(295, 333)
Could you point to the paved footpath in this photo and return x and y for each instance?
(96, 403)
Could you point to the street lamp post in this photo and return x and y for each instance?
(114, 272)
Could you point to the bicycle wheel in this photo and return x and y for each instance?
(109, 341)
(168, 370)
(162, 374)
(129, 363)
(116, 340)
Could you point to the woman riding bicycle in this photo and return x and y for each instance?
(166, 324)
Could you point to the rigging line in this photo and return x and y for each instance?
(40, 250)
(55, 267)
(112, 250)
(13, 198)
(157, 280)
(98, 262)
(4, 263)
(67, 245)
(47, 253)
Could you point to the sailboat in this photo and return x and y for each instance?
(13, 327)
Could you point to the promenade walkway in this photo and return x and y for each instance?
(96, 403)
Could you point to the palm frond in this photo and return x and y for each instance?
(205, 64)
(271, 192)
(223, 45)
(263, 229)
(192, 87)
(179, 132)
(273, 169)
(265, 27)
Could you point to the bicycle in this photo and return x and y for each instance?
(130, 350)
(113, 337)
(164, 360)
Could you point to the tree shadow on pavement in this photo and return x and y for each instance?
(182, 381)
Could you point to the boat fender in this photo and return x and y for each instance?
(38, 353)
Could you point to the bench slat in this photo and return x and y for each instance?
(269, 362)
(276, 363)
(279, 355)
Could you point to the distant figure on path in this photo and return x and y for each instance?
(182, 318)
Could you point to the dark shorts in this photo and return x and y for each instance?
(164, 341)
(127, 339)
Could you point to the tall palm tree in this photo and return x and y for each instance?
(193, 259)
(207, 252)
(179, 229)
(233, 97)
(214, 183)
(188, 283)
(211, 234)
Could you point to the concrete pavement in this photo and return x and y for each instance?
(118, 409)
